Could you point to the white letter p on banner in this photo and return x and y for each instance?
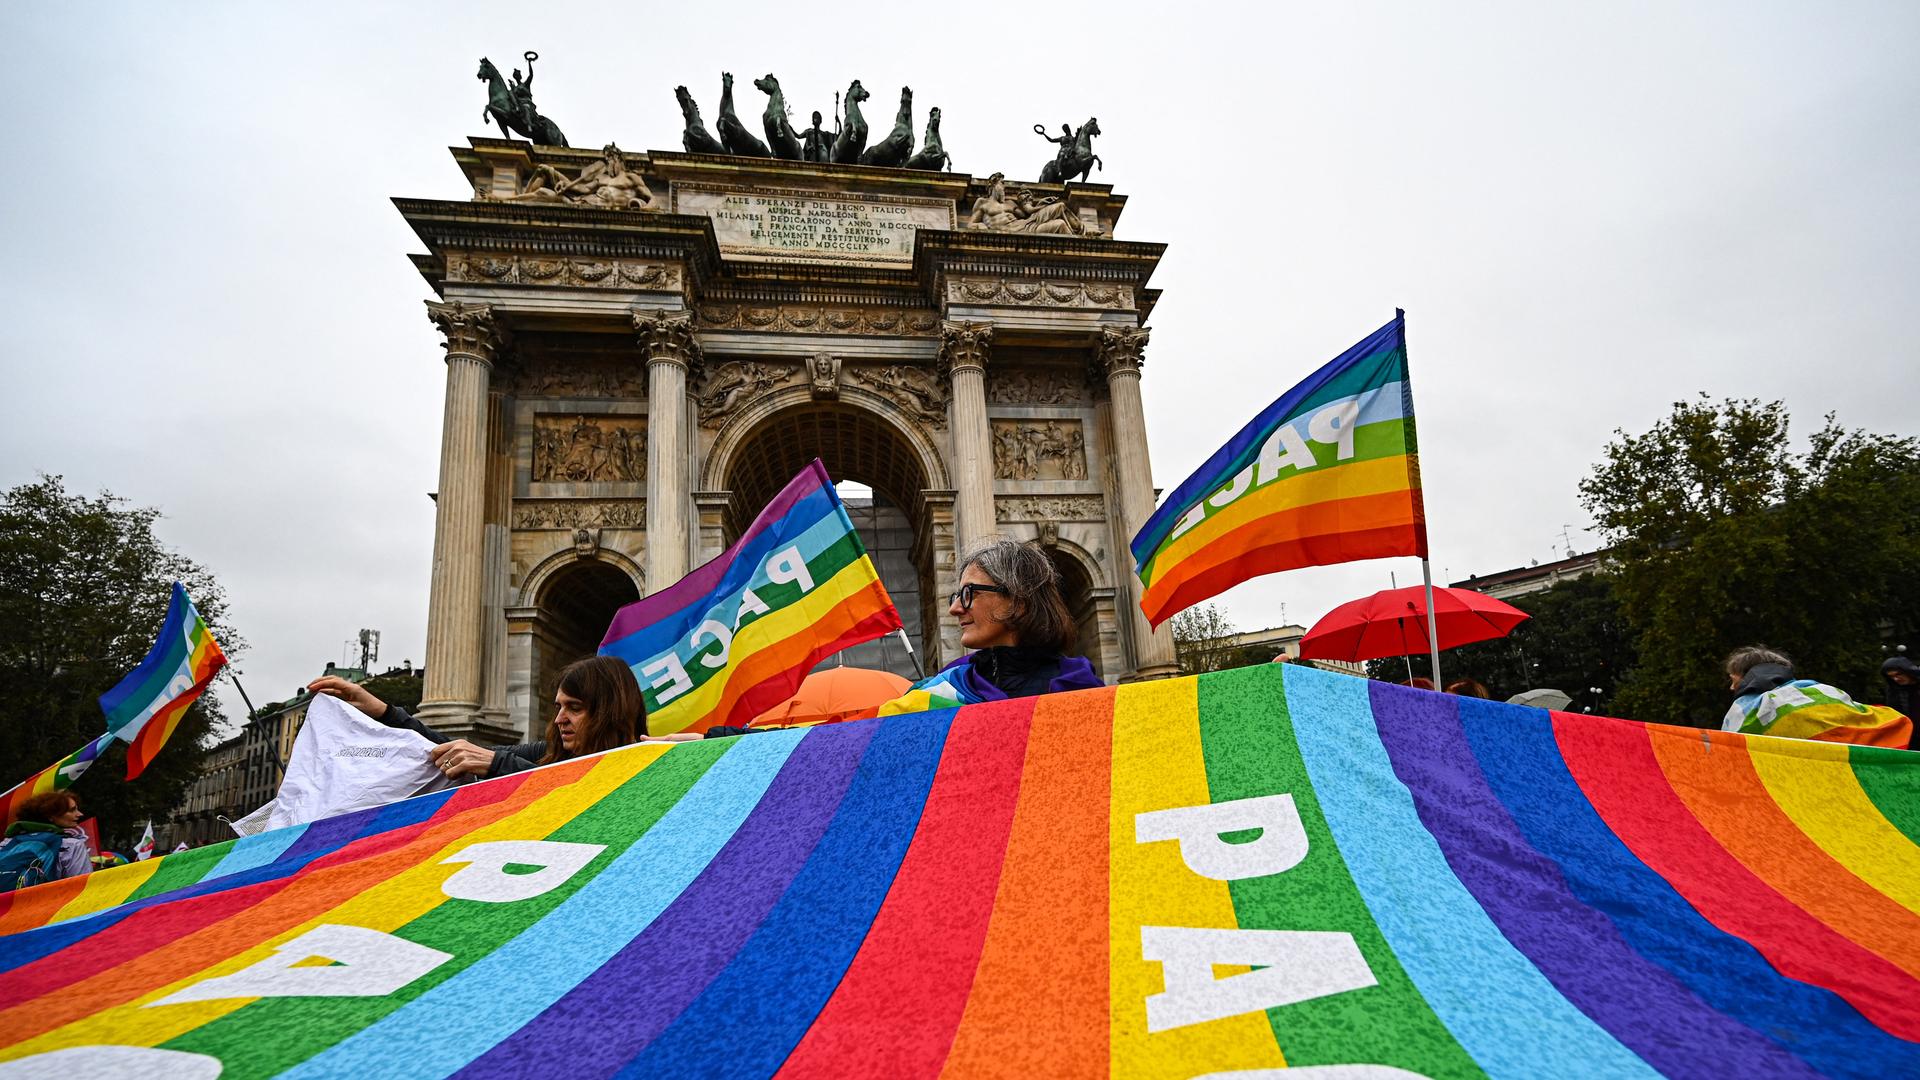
(1281, 845)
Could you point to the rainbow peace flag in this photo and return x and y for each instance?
(146, 706)
(1327, 474)
(1265, 867)
(735, 637)
(58, 776)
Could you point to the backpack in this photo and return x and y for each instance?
(27, 859)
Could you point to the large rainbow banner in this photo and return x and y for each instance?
(1262, 868)
(735, 637)
(1328, 473)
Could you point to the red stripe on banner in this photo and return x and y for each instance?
(1613, 762)
(1753, 828)
(1305, 536)
(895, 1010)
(169, 942)
(1039, 1005)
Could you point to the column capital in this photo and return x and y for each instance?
(964, 346)
(1119, 351)
(471, 329)
(668, 337)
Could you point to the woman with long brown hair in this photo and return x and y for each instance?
(597, 706)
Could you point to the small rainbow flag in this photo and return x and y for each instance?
(58, 776)
(1327, 474)
(146, 706)
(735, 637)
(1225, 875)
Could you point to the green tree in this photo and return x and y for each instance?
(1725, 535)
(84, 586)
(1203, 639)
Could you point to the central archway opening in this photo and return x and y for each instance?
(859, 447)
(576, 606)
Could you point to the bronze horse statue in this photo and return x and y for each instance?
(733, 134)
(933, 155)
(894, 150)
(853, 130)
(696, 138)
(780, 135)
(507, 110)
(1076, 157)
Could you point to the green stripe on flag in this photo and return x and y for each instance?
(1247, 738)
(1892, 782)
(272, 1035)
(180, 870)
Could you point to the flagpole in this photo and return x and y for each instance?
(918, 671)
(1426, 569)
(235, 676)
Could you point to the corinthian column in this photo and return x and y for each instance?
(671, 354)
(451, 696)
(963, 353)
(1120, 361)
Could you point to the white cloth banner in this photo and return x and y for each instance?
(342, 761)
(144, 849)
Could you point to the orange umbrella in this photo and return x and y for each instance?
(841, 693)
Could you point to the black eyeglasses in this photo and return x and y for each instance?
(965, 594)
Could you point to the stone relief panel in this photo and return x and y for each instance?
(730, 385)
(580, 378)
(818, 319)
(1036, 386)
(1009, 509)
(579, 514)
(589, 449)
(916, 389)
(1060, 294)
(589, 273)
(1039, 450)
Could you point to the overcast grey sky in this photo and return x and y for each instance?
(1588, 211)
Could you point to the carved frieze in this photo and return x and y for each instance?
(589, 449)
(1036, 386)
(916, 389)
(607, 184)
(620, 379)
(1039, 450)
(588, 273)
(818, 319)
(1015, 508)
(580, 514)
(1058, 294)
(737, 382)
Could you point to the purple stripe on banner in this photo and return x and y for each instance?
(1575, 946)
(705, 578)
(612, 1015)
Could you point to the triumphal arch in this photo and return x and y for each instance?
(642, 349)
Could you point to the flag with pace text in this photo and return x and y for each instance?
(1264, 867)
(146, 707)
(58, 776)
(735, 637)
(1329, 473)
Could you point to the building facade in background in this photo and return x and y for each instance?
(642, 349)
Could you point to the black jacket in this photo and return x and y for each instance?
(1903, 699)
(506, 759)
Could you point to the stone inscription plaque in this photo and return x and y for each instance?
(810, 228)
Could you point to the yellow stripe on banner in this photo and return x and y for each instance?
(1157, 765)
(1814, 783)
(106, 888)
(765, 632)
(385, 906)
(1377, 476)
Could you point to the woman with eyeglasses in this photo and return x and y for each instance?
(1011, 614)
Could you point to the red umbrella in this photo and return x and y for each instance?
(1393, 622)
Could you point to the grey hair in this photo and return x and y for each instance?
(1747, 657)
(1039, 615)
